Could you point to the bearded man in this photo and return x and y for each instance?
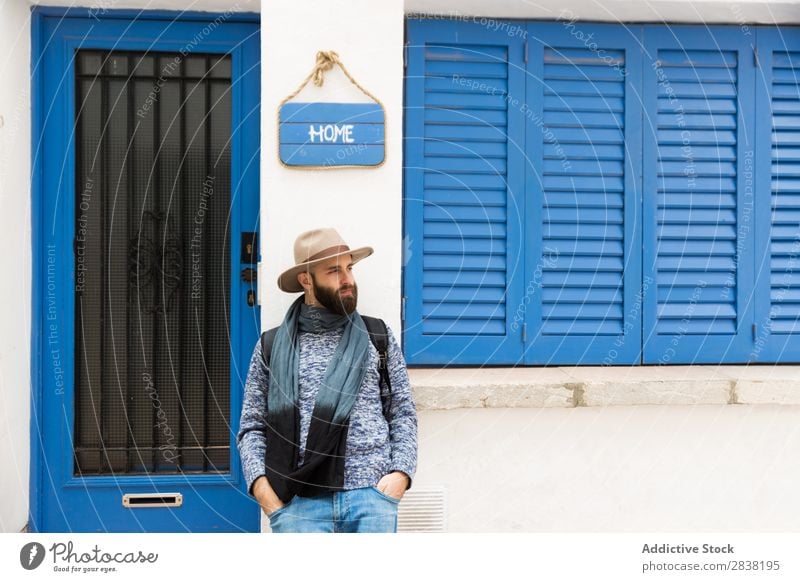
(321, 449)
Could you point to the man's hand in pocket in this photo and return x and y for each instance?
(266, 496)
(394, 484)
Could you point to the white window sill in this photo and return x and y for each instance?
(567, 387)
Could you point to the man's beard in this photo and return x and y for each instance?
(331, 300)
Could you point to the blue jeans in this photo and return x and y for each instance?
(362, 510)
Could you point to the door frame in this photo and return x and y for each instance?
(243, 176)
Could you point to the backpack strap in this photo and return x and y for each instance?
(380, 339)
(379, 336)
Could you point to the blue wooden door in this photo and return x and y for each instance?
(698, 164)
(777, 193)
(146, 158)
(583, 143)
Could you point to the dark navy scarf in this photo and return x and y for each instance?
(323, 458)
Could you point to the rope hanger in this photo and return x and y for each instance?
(324, 63)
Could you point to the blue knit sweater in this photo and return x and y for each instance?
(374, 447)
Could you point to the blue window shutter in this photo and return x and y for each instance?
(698, 224)
(777, 192)
(583, 136)
(464, 150)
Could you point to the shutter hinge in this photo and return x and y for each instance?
(524, 332)
(403, 309)
(754, 331)
(525, 56)
(755, 56)
(405, 56)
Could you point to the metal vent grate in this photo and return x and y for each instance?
(422, 509)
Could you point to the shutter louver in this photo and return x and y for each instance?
(584, 148)
(583, 192)
(460, 188)
(465, 206)
(698, 213)
(785, 206)
(777, 333)
(696, 194)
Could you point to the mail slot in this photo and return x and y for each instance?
(152, 500)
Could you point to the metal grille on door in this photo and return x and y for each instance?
(152, 263)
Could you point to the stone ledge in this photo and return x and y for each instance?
(568, 387)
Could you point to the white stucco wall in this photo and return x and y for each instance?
(15, 263)
(686, 11)
(365, 206)
(613, 469)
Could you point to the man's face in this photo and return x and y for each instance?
(334, 285)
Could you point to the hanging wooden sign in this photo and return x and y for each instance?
(326, 135)
(332, 134)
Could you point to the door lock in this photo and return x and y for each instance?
(249, 275)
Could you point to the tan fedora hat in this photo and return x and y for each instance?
(312, 247)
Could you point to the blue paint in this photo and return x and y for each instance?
(331, 134)
(100, 13)
(584, 252)
(320, 134)
(60, 501)
(37, 388)
(332, 112)
(331, 155)
(698, 307)
(777, 193)
(605, 249)
(464, 197)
